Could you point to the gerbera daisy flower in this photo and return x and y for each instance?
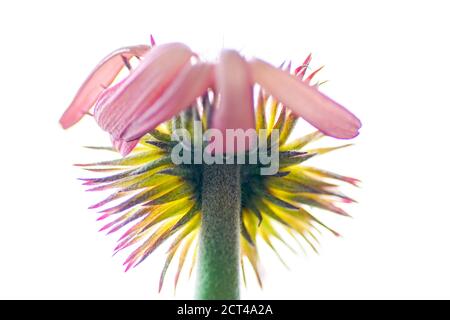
(217, 215)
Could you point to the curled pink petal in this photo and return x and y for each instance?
(316, 108)
(100, 78)
(235, 88)
(104, 96)
(124, 147)
(190, 83)
(142, 88)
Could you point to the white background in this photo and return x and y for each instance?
(388, 61)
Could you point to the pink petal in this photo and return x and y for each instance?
(189, 84)
(235, 88)
(142, 88)
(305, 101)
(124, 147)
(101, 77)
(120, 145)
(104, 96)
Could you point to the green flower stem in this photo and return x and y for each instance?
(218, 260)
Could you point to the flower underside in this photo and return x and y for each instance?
(156, 201)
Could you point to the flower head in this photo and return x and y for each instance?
(154, 200)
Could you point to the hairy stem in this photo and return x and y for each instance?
(218, 264)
